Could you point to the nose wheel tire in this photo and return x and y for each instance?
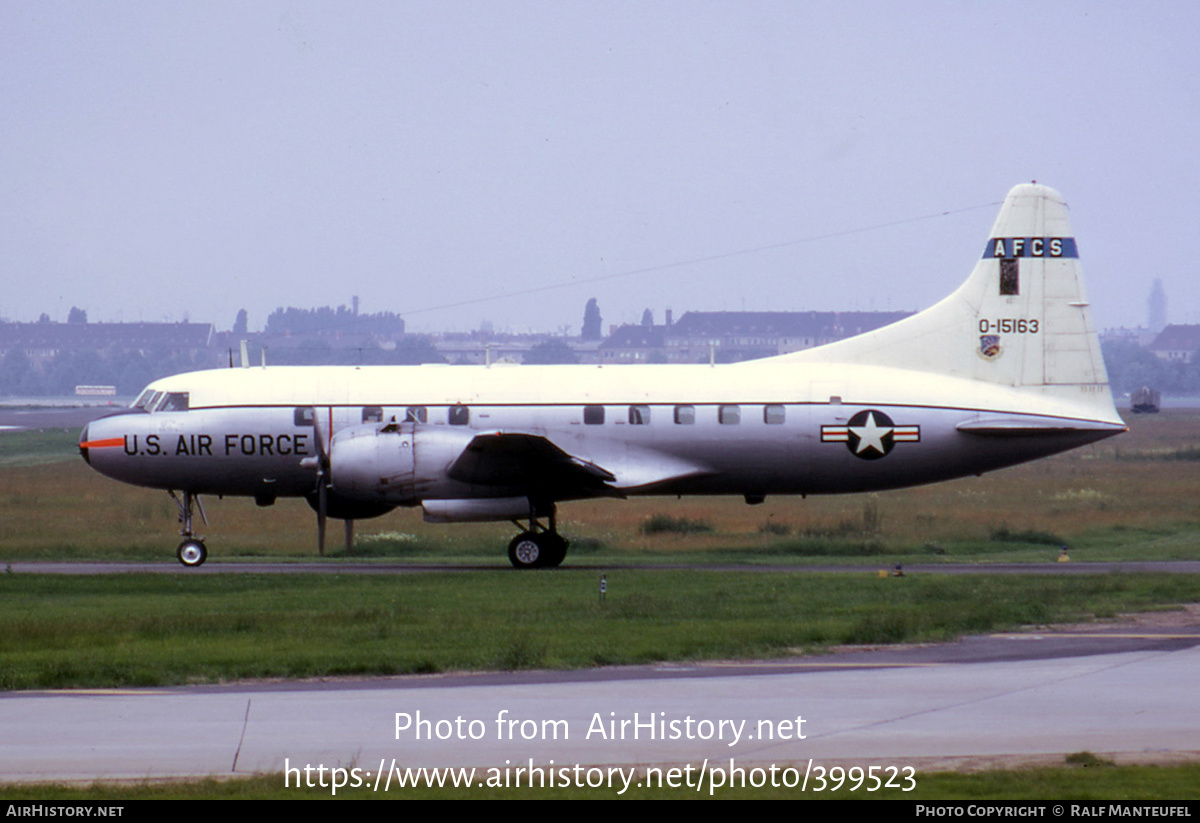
(192, 552)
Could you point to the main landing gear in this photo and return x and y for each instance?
(538, 547)
(192, 551)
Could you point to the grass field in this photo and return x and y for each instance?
(1132, 497)
(141, 630)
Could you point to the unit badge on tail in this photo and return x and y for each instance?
(870, 434)
(989, 346)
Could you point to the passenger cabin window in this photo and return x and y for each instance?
(419, 414)
(372, 414)
(174, 401)
(729, 415)
(593, 415)
(774, 414)
(639, 415)
(685, 415)
(304, 416)
(459, 415)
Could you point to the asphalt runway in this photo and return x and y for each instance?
(52, 417)
(1119, 692)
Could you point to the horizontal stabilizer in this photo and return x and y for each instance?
(1025, 425)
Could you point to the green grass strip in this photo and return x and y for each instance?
(143, 630)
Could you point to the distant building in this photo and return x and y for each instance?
(1157, 307)
(42, 342)
(1141, 336)
(635, 344)
(480, 348)
(733, 336)
(1177, 343)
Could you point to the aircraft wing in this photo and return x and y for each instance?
(530, 460)
(533, 461)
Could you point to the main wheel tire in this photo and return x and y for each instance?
(192, 553)
(554, 550)
(526, 551)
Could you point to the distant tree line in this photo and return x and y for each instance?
(129, 371)
(326, 320)
(410, 350)
(550, 352)
(1130, 367)
(592, 322)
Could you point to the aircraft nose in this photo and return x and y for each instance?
(98, 435)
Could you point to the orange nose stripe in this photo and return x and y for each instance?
(103, 444)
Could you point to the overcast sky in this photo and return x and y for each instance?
(163, 161)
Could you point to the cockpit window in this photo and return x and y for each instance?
(174, 401)
(143, 399)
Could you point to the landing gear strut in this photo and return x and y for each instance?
(538, 547)
(192, 551)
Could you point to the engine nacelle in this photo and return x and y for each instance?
(478, 510)
(394, 464)
(348, 509)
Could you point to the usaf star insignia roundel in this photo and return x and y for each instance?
(870, 434)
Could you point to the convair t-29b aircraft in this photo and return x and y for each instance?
(1004, 370)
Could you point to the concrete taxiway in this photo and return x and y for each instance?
(1111, 691)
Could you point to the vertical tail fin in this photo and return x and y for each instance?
(1021, 319)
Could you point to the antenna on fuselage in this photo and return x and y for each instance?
(245, 356)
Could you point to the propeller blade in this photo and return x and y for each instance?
(322, 513)
(323, 429)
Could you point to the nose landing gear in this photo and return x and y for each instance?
(191, 552)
